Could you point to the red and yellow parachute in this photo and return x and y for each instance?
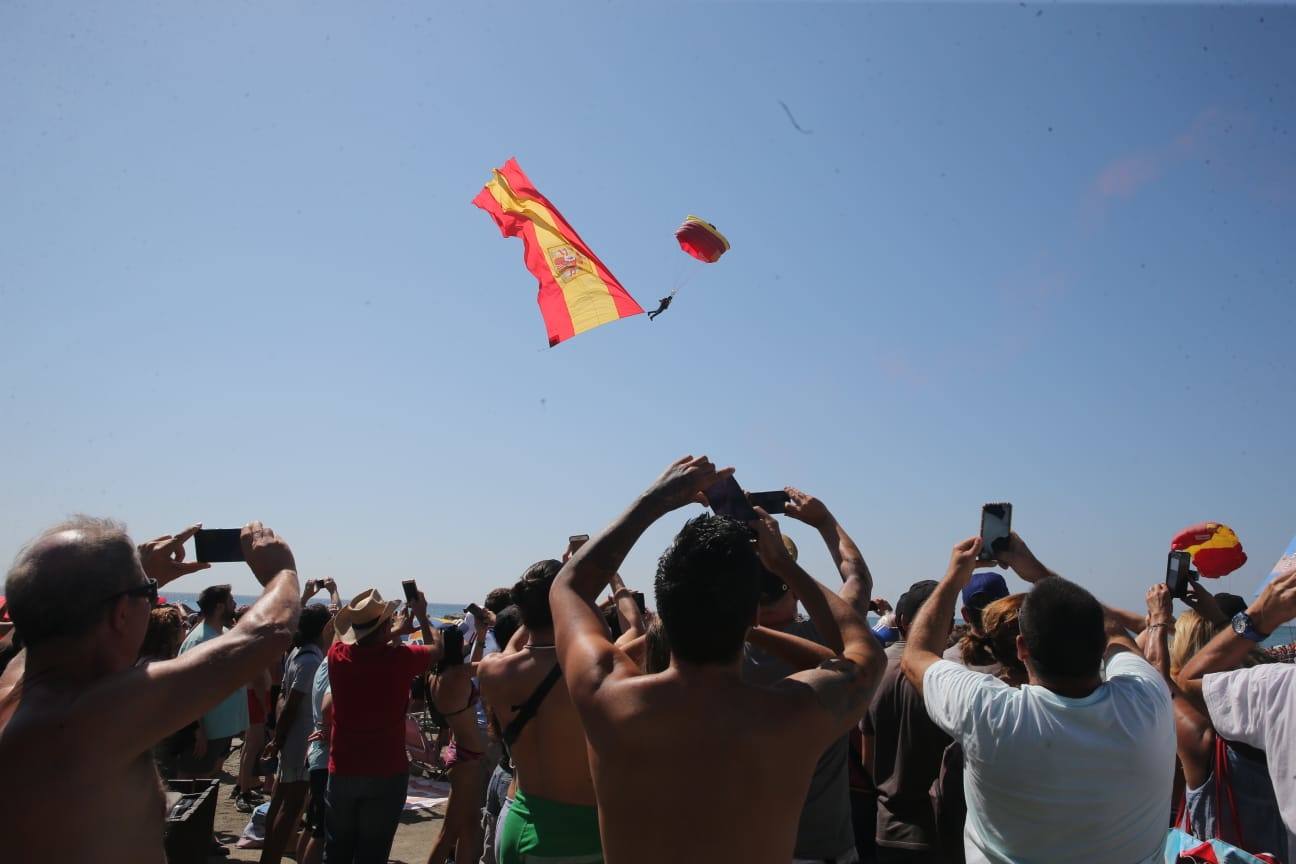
(702, 240)
(1216, 551)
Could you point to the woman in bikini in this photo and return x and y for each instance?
(452, 690)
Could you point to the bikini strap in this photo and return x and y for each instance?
(528, 709)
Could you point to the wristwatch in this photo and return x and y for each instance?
(1245, 627)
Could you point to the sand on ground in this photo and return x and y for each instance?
(414, 838)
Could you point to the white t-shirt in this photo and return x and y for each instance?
(1257, 706)
(1050, 779)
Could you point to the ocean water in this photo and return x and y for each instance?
(190, 599)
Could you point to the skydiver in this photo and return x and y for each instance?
(663, 305)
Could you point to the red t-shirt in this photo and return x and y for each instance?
(371, 687)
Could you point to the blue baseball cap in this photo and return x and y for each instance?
(986, 587)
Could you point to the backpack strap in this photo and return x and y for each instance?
(527, 710)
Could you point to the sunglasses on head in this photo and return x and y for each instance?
(148, 589)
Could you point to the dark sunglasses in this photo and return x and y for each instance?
(149, 589)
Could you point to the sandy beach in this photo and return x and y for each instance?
(414, 838)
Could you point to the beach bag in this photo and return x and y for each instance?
(1181, 847)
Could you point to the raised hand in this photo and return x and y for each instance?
(266, 553)
(806, 508)
(963, 560)
(683, 482)
(769, 543)
(1159, 604)
(310, 589)
(163, 559)
(1017, 556)
(881, 605)
(1204, 604)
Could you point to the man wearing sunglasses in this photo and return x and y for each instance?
(76, 714)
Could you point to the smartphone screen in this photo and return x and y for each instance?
(996, 525)
(728, 499)
(410, 589)
(1178, 573)
(770, 502)
(214, 545)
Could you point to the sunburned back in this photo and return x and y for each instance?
(699, 771)
(63, 800)
(551, 756)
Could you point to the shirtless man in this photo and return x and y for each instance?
(682, 759)
(554, 800)
(76, 714)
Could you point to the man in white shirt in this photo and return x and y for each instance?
(1255, 706)
(1073, 766)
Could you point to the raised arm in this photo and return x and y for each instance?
(1194, 735)
(857, 581)
(793, 650)
(133, 711)
(335, 602)
(585, 653)
(930, 630)
(632, 620)
(842, 685)
(1017, 556)
(164, 558)
(1275, 607)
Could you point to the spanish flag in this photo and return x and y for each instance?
(577, 293)
(1215, 549)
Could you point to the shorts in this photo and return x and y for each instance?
(256, 708)
(292, 765)
(539, 829)
(208, 764)
(315, 806)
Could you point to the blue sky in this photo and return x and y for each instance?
(1036, 253)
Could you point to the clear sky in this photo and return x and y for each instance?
(1035, 253)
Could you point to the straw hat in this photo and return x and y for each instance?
(366, 612)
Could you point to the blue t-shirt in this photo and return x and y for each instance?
(230, 717)
(318, 753)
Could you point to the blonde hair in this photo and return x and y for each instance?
(1191, 633)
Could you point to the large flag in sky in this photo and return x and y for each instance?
(577, 293)
(1285, 563)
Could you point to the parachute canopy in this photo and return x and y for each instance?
(700, 239)
(1216, 551)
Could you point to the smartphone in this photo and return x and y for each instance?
(996, 525)
(410, 589)
(215, 545)
(728, 499)
(474, 610)
(578, 539)
(1179, 573)
(771, 502)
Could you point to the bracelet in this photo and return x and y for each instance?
(1158, 624)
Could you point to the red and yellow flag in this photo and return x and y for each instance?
(577, 293)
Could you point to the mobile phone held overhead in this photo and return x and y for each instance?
(996, 526)
(218, 545)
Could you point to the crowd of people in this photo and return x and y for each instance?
(753, 715)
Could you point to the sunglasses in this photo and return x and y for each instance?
(149, 589)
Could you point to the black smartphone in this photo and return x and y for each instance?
(996, 525)
(1179, 573)
(727, 498)
(216, 545)
(410, 589)
(771, 502)
(577, 539)
(474, 610)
